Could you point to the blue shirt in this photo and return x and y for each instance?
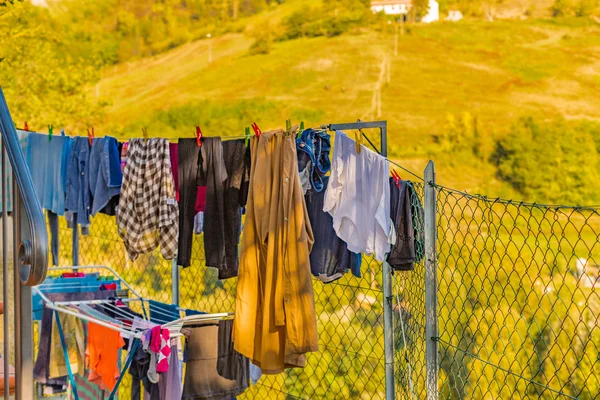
(45, 157)
(105, 172)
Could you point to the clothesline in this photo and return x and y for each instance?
(322, 127)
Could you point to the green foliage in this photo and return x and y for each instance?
(43, 79)
(555, 162)
(128, 29)
(561, 8)
(585, 8)
(577, 8)
(331, 19)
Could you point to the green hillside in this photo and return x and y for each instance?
(497, 72)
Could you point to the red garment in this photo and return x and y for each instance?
(201, 196)
(102, 355)
(160, 344)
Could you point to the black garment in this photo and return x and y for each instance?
(139, 373)
(224, 168)
(202, 381)
(402, 256)
(329, 257)
(188, 155)
(54, 236)
(231, 364)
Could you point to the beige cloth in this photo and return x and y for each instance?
(75, 341)
(275, 323)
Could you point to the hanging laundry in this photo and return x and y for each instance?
(358, 198)
(139, 373)
(192, 198)
(329, 257)
(199, 223)
(106, 176)
(78, 197)
(402, 256)
(224, 169)
(275, 324)
(159, 344)
(148, 213)
(74, 336)
(170, 386)
(202, 380)
(41, 368)
(47, 159)
(313, 158)
(201, 193)
(231, 364)
(102, 355)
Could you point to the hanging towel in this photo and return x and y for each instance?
(102, 355)
(275, 321)
(148, 214)
(358, 198)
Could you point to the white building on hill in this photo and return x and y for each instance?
(402, 7)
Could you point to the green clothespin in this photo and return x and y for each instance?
(50, 130)
(247, 135)
(300, 130)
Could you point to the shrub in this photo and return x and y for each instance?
(556, 162)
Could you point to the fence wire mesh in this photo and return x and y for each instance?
(518, 299)
(518, 306)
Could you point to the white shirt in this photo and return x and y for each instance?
(358, 198)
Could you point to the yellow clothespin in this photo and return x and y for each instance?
(145, 133)
(358, 140)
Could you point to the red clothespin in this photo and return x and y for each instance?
(91, 135)
(199, 136)
(26, 128)
(256, 129)
(396, 177)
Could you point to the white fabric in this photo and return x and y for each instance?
(199, 223)
(358, 198)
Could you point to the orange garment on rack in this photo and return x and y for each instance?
(275, 321)
(102, 355)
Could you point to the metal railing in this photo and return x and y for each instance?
(29, 255)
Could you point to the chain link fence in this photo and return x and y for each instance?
(518, 299)
(517, 306)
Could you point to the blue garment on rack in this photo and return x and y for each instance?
(161, 313)
(106, 176)
(46, 158)
(78, 198)
(314, 146)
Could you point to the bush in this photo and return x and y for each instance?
(555, 162)
(260, 46)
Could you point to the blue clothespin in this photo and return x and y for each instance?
(62, 132)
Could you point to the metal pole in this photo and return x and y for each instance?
(5, 298)
(431, 301)
(23, 310)
(388, 307)
(175, 281)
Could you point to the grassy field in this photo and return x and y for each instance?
(496, 71)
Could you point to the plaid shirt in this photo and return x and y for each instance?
(148, 214)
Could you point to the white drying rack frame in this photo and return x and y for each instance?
(74, 307)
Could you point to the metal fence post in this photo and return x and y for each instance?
(431, 303)
(175, 281)
(388, 308)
